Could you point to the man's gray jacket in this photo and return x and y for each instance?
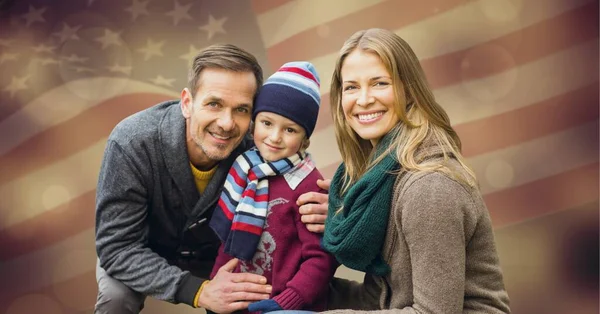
(152, 229)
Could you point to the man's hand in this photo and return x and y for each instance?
(228, 292)
(313, 207)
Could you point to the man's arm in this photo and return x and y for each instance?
(122, 231)
(313, 207)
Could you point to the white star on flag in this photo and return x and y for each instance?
(160, 80)
(67, 32)
(214, 26)
(7, 56)
(81, 69)
(17, 84)
(47, 61)
(34, 15)
(192, 53)
(138, 8)
(180, 12)
(75, 59)
(43, 48)
(120, 69)
(152, 49)
(110, 38)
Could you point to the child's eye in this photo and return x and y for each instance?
(266, 123)
(290, 130)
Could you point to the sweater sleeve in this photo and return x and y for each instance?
(315, 272)
(347, 294)
(122, 233)
(433, 222)
(221, 260)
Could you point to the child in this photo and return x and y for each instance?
(257, 218)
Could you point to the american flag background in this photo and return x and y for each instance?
(519, 79)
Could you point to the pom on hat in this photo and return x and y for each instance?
(292, 92)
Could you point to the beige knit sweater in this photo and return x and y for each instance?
(441, 250)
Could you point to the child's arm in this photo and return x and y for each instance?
(222, 259)
(312, 279)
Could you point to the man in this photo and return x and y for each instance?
(161, 176)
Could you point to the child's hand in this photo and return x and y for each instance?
(264, 306)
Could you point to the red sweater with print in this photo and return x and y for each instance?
(288, 255)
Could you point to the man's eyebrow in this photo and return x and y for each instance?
(212, 98)
(245, 106)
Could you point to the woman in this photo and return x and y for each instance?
(404, 206)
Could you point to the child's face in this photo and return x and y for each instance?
(277, 137)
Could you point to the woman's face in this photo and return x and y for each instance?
(368, 96)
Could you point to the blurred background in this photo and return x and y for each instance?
(519, 79)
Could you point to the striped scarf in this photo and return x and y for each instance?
(241, 212)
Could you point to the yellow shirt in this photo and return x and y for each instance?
(202, 177)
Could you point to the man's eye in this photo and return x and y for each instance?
(243, 110)
(213, 104)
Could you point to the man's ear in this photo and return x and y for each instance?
(187, 103)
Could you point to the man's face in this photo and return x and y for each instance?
(218, 117)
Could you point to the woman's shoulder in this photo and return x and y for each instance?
(432, 181)
(436, 193)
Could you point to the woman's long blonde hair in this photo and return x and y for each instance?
(421, 117)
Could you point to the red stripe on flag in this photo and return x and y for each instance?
(387, 14)
(262, 6)
(520, 47)
(246, 227)
(545, 196)
(72, 135)
(556, 114)
(76, 295)
(49, 227)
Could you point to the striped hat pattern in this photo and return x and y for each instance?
(293, 92)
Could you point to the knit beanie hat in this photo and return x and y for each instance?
(292, 92)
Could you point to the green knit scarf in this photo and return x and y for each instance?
(355, 236)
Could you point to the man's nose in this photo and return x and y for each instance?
(226, 121)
